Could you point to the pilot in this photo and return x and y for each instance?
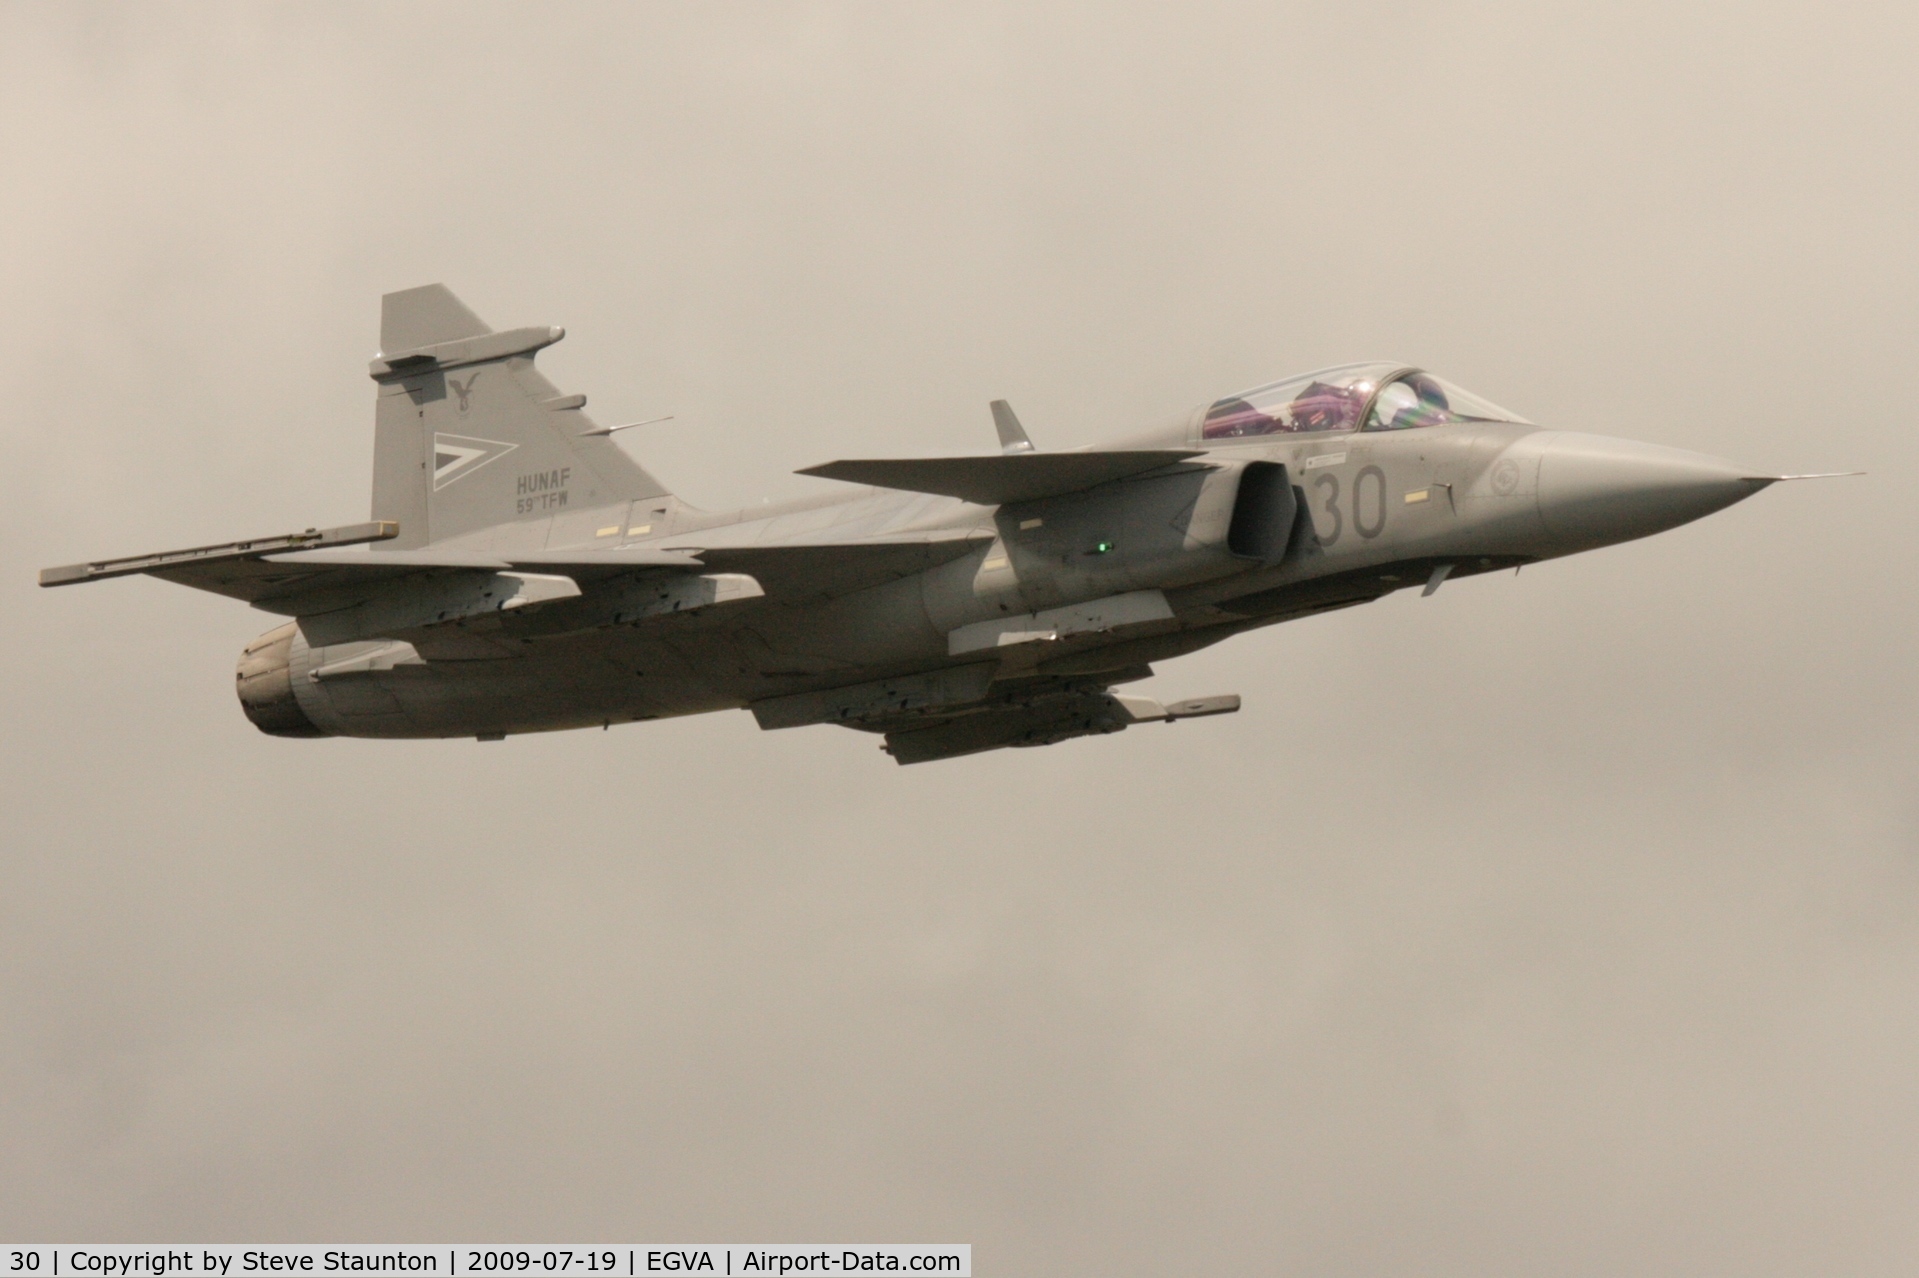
(1232, 418)
(1322, 406)
(1417, 400)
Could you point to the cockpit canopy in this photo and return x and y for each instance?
(1381, 396)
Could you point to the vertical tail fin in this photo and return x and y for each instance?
(466, 427)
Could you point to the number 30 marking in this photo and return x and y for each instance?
(1329, 484)
(1378, 477)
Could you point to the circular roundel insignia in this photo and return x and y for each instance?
(1505, 477)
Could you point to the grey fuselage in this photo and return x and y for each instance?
(1376, 512)
(522, 573)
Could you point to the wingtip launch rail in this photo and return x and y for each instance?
(229, 551)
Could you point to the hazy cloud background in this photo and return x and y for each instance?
(1562, 924)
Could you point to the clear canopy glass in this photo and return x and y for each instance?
(1382, 396)
(1331, 399)
(1419, 399)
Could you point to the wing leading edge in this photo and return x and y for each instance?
(298, 574)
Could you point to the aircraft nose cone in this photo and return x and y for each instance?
(1595, 490)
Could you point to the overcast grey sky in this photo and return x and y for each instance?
(1561, 924)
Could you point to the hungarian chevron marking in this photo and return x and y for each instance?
(457, 456)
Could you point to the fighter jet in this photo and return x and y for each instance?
(521, 573)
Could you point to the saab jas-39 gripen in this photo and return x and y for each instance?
(521, 573)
